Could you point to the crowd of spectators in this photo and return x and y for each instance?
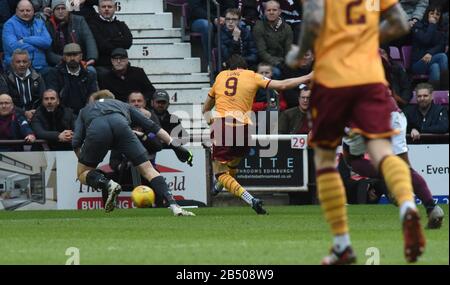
(53, 58)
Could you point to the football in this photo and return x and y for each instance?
(143, 197)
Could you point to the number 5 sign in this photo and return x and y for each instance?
(299, 142)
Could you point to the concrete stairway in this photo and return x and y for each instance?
(158, 49)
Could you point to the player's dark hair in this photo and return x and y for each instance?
(235, 62)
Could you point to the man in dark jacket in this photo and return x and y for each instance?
(64, 28)
(124, 78)
(169, 122)
(71, 80)
(237, 39)
(25, 84)
(426, 117)
(53, 122)
(109, 34)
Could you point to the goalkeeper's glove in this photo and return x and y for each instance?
(183, 154)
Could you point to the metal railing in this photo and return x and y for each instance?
(210, 39)
(43, 143)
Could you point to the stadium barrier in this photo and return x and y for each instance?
(47, 180)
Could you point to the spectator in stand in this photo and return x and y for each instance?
(169, 122)
(73, 82)
(124, 78)
(398, 79)
(64, 28)
(291, 12)
(53, 122)
(25, 84)
(248, 9)
(237, 39)
(303, 67)
(426, 117)
(109, 34)
(264, 97)
(27, 32)
(295, 120)
(273, 37)
(428, 55)
(13, 124)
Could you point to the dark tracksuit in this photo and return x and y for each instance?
(104, 125)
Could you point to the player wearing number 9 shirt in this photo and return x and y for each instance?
(233, 94)
(349, 86)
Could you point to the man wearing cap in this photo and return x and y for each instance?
(109, 33)
(295, 120)
(64, 28)
(71, 80)
(123, 78)
(24, 31)
(169, 122)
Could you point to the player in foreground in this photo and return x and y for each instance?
(233, 94)
(104, 124)
(354, 150)
(350, 86)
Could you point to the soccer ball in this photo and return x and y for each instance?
(143, 197)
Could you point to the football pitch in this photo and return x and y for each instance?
(220, 236)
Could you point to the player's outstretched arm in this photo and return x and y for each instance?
(313, 14)
(290, 83)
(394, 24)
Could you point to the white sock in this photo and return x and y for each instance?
(173, 206)
(341, 242)
(404, 207)
(247, 197)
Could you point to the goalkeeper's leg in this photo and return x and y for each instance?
(159, 185)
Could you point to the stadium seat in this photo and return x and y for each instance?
(406, 56)
(185, 28)
(394, 53)
(440, 97)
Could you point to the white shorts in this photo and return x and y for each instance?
(357, 144)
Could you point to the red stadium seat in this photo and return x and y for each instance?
(185, 28)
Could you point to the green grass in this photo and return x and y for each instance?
(229, 235)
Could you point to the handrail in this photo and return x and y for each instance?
(219, 54)
(426, 138)
(44, 143)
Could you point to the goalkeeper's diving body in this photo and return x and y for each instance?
(105, 124)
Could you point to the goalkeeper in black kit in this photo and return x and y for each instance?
(103, 125)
